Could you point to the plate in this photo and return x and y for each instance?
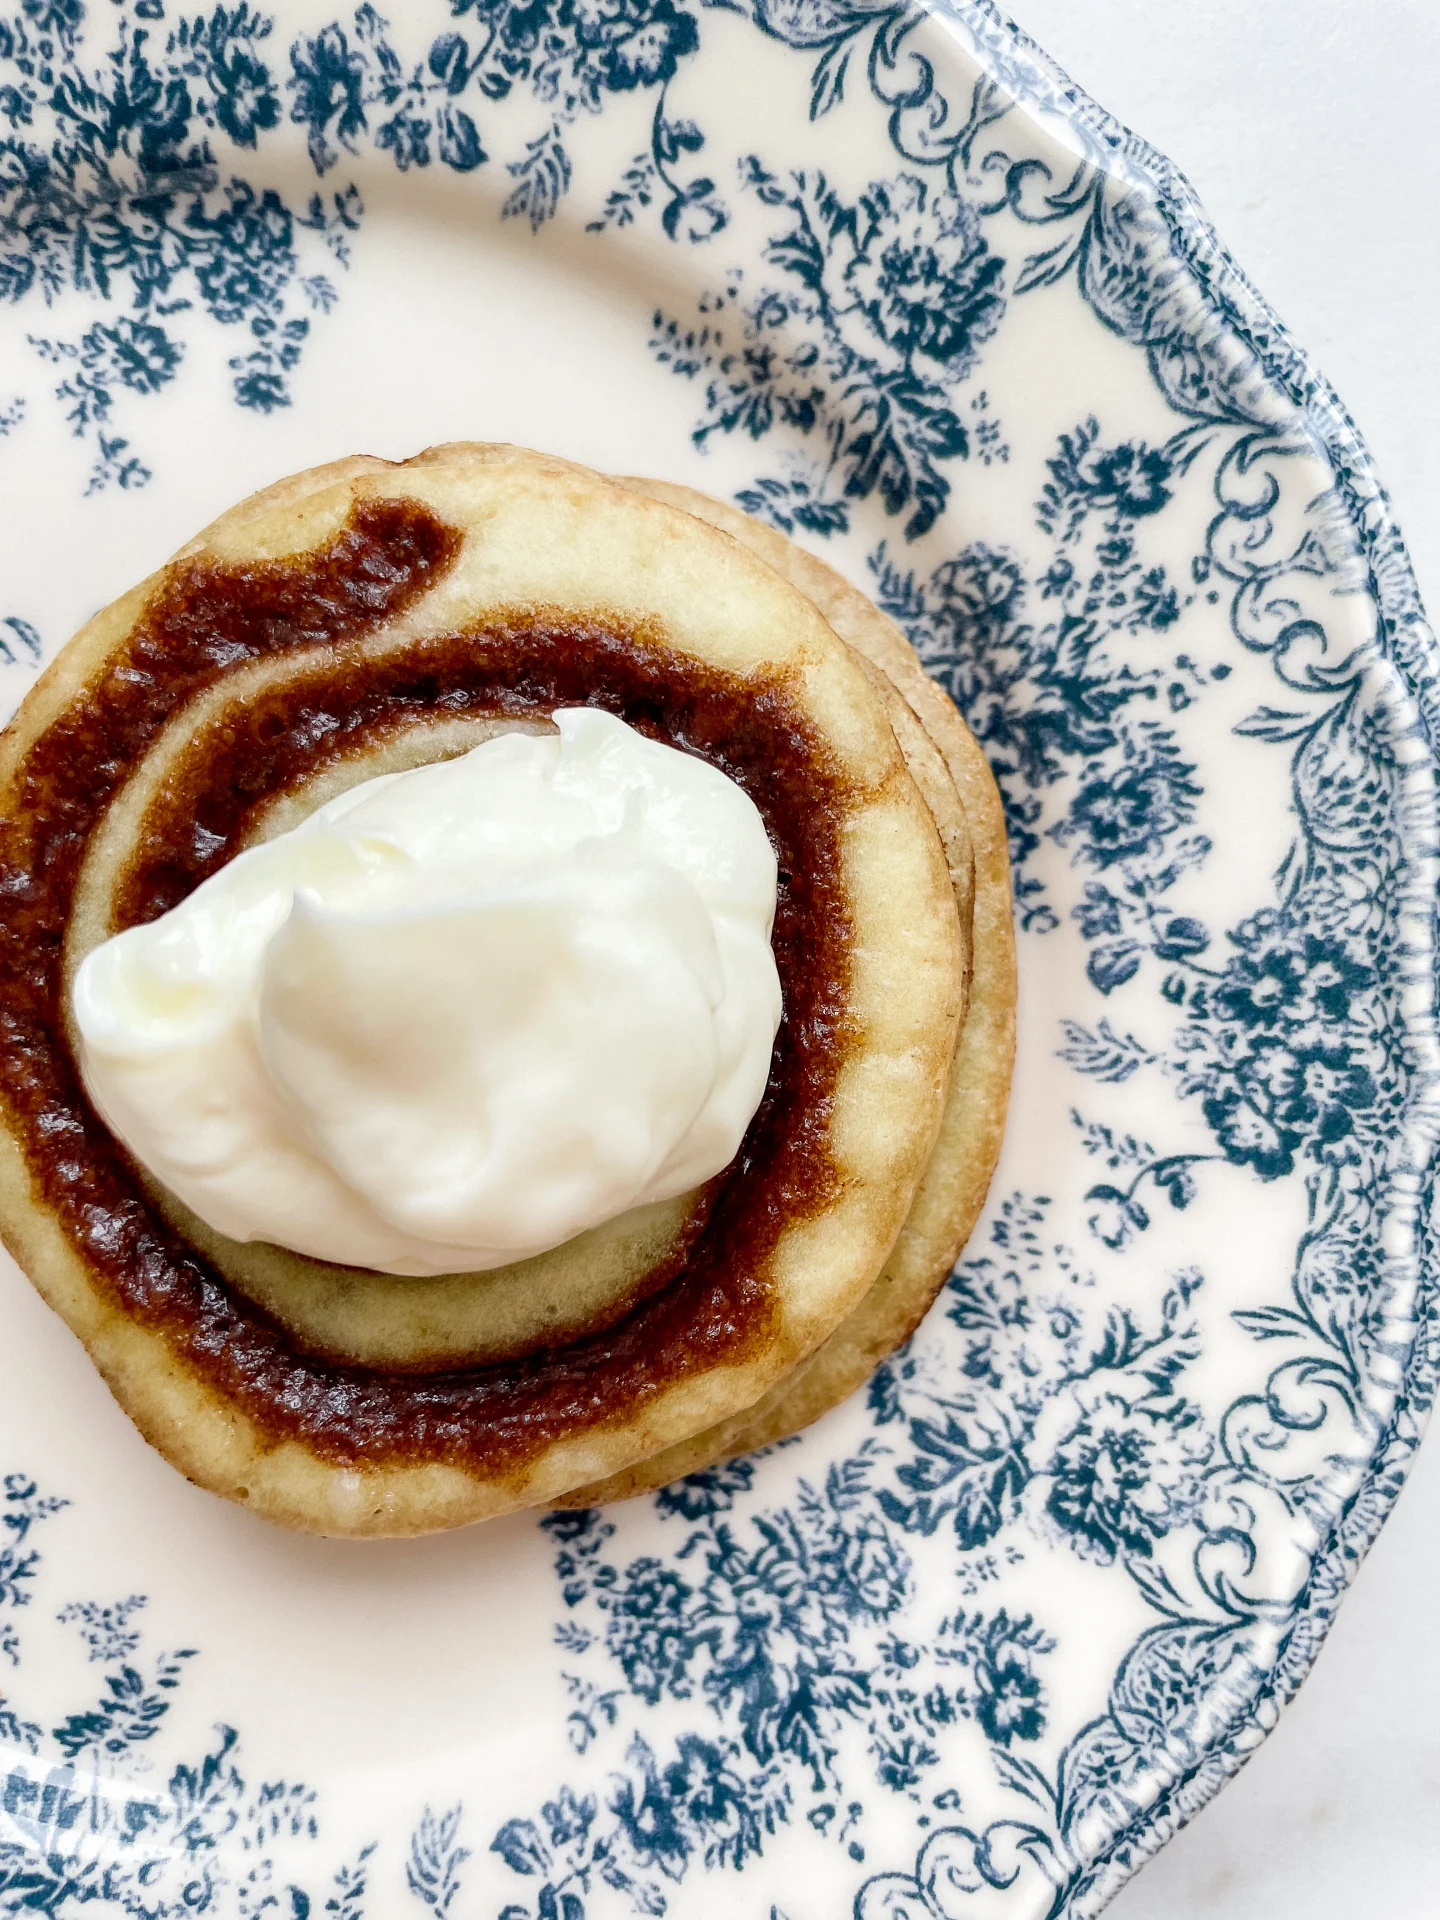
(980, 1641)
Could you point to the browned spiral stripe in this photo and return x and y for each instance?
(203, 622)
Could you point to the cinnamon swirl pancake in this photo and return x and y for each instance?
(350, 623)
(959, 788)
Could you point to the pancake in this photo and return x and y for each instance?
(347, 1313)
(464, 1318)
(953, 1189)
(324, 618)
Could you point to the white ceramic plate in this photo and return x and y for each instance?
(977, 1643)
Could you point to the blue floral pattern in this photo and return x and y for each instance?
(1068, 686)
(889, 301)
(789, 1629)
(856, 1652)
(127, 196)
(148, 1846)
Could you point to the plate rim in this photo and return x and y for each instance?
(1222, 289)
(1410, 643)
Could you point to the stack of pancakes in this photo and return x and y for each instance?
(367, 617)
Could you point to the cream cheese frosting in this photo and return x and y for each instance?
(460, 1014)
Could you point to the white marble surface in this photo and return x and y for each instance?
(1309, 129)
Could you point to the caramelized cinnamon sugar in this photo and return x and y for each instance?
(203, 622)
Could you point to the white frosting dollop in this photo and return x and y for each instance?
(460, 1014)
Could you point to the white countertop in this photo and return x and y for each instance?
(1310, 130)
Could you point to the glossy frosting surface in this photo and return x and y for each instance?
(459, 1015)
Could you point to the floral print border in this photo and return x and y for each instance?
(790, 1631)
